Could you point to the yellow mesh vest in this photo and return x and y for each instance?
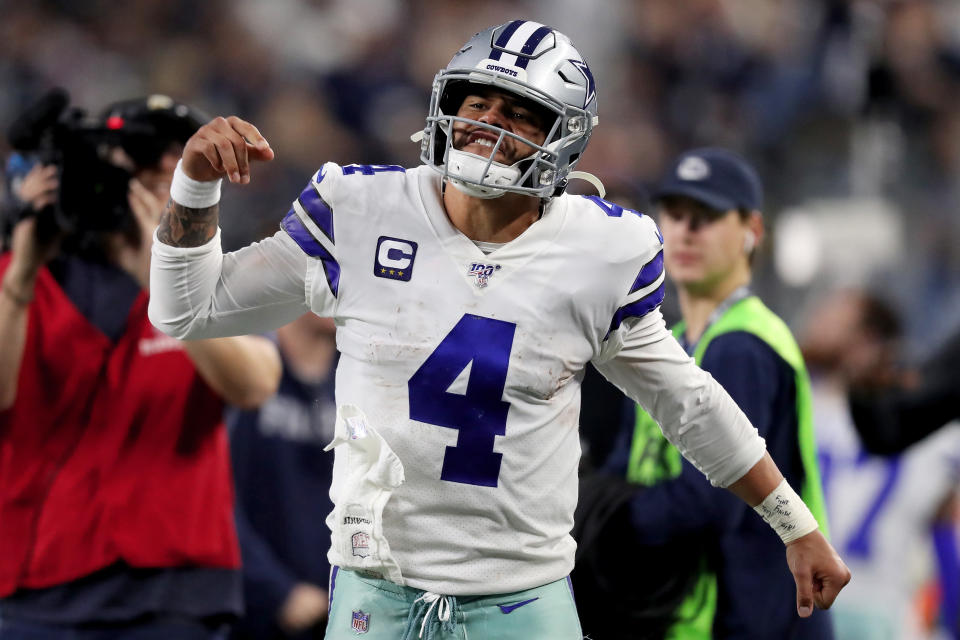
(654, 460)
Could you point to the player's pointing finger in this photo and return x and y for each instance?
(257, 145)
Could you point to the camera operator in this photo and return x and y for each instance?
(116, 502)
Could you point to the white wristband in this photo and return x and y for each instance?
(786, 513)
(191, 193)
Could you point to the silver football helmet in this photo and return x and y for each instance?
(541, 66)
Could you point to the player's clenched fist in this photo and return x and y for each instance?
(819, 572)
(224, 147)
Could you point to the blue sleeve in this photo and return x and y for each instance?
(750, 371)
(267, 582)
(948, 565)
(266, 579)
(752, 374)
(619, 457)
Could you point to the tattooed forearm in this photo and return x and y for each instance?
(182, 226)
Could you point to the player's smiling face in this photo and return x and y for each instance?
(502, 110)
(701, 246)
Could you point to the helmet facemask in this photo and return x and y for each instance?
(551, 89)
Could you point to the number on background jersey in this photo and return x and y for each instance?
(859, 543)
(480, 414)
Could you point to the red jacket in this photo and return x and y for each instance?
(110, 452)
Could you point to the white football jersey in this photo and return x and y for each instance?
(466, 366)
(881, 509)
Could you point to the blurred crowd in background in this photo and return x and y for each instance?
(847, 107)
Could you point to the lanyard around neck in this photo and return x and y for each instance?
(736, 296)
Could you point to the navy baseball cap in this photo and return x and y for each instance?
(718, 178)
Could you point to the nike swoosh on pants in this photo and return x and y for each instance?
(507, 608)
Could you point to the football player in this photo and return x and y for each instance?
(469, 293)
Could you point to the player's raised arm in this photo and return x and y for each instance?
(196, 291)
(703, 422)
(222, 147)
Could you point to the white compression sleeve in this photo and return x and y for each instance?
(695, 413)
(199, 292)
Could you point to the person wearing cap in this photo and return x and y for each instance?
(735, 582)
(116, 499)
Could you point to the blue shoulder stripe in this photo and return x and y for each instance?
(305, 240)
(637, 309)
(318, 210)
(649, 273)
(612, 209)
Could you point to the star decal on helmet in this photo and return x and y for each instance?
(591, 85)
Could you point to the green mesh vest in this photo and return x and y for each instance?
(654, 460)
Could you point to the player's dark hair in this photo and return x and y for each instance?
(880, 318)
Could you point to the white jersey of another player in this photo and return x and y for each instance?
(459, 377)
(881, 511)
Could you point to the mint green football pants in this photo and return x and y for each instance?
(368, 608)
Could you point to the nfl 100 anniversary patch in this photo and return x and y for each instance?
(360, 622)
(482, 272)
